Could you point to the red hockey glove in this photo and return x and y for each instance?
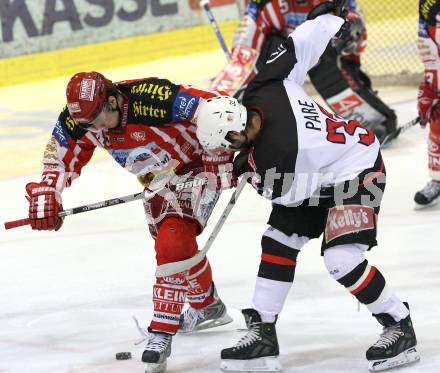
(218, 169)
(425, 101)
(44, 206)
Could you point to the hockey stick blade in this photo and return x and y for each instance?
(393, 135)
(177, 267)
(81, 209)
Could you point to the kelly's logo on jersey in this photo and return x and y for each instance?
(343, 220)
(154, 91)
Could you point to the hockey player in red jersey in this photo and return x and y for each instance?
(324, 175)
(147, 126)
(338, 78)
(429, 95)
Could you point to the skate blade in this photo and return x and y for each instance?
(155, 368)
(262, 364)
(226, 319)
(433, 203)
(406, 357)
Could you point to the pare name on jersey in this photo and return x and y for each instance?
(310, 115)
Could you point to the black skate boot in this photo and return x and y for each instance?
(157, 350)
(428, 196)
(209, 317)
(257, 351)
(396, 345)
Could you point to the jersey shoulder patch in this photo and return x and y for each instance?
(66, 127)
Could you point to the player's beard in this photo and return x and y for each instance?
(241, 145)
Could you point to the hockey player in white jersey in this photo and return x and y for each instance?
(338, 78)
(324, 175)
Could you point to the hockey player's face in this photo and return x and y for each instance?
(108, 118)
(243, 140)
(238, 140)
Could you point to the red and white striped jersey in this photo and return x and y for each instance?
(429, 40)
(157, 127)
(265, 16)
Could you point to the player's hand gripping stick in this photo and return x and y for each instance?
(80, 209)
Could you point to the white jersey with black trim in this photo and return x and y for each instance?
(301, 147)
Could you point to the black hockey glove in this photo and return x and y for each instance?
(240, 164)
(340, 9)
(337, 7)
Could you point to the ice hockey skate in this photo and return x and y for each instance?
(156, 352)
(396, 345)
(257, 351)
(211, 316)
(428, 196)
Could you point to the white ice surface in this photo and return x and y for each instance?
(67, 298)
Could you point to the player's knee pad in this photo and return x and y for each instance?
(342, 259)
(347, 264)
(176, 240)
(279, 253)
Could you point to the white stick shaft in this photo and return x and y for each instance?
(177, 267)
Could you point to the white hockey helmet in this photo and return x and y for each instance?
(216, 117)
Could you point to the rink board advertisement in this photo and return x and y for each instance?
(30, 26)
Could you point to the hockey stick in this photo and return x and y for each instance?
(81, 209)
(205, 5)
(398, 131)
(106, 203)
(176, 267)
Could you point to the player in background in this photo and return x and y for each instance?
(429, 94)
(338, 78)
(147, 126)
(324, 175)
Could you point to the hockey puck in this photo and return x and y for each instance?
(123, 355)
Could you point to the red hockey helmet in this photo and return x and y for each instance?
(86, 94)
